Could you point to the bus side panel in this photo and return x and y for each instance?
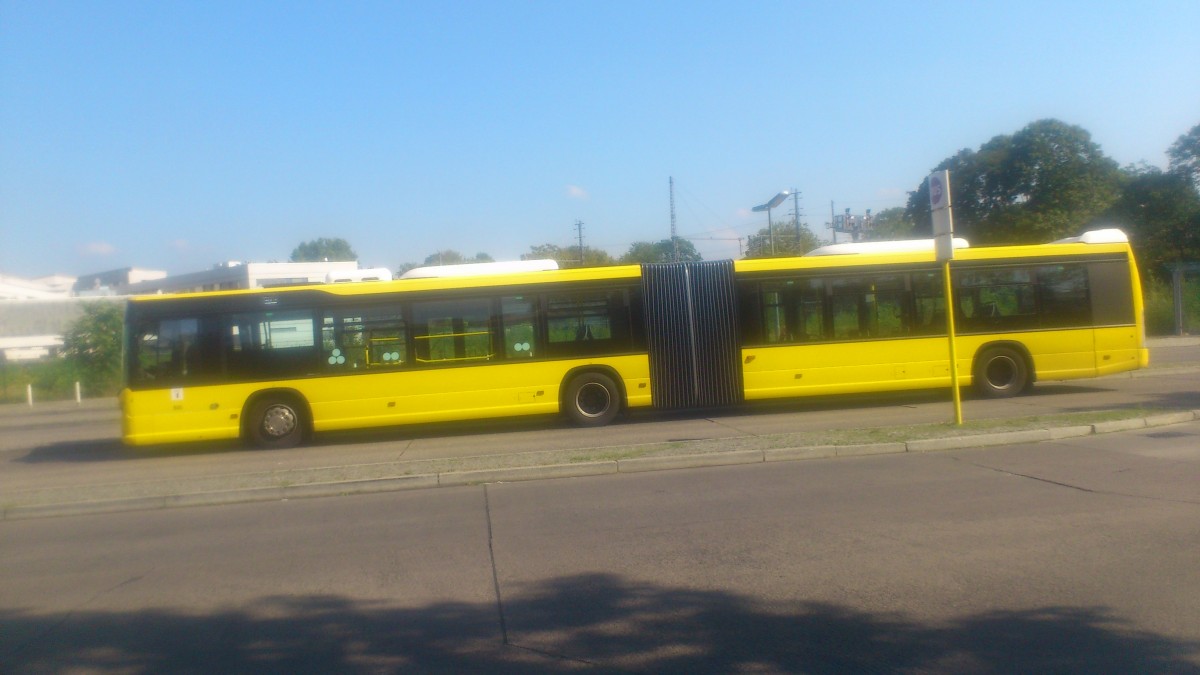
(1061, 354)
(891, 365)
(443, 394)
(843, 368)
(1119, 349)
(181, 414)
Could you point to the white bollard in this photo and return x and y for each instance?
(29, 394)
(78, 394)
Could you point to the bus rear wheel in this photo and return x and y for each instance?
(1000, 372)
(276, 422)
(592, 400)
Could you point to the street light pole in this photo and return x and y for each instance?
(775, 201)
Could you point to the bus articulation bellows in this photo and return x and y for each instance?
(274, 366)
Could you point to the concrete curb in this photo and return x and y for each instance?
(979, 441)
(583, 469)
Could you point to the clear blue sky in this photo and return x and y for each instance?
(172, 135)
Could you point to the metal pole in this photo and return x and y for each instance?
(958, 418)
(771, 231)
(1177, 292)
(796, 208)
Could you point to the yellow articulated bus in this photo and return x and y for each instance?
(274, 366)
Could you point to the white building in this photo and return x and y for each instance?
(48, 288)
(238, 275)
(114, 282)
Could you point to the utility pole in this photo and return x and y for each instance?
(579, 231)
(674, 240)
(796, 213)
(832, 221)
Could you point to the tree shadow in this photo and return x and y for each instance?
(594, 622)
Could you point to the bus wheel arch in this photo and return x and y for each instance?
(276, 418)
(591, 396)
(1002, 370)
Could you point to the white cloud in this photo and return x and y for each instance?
(576, 192)
(98, 248)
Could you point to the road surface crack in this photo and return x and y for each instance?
(1080, 488)
(75, 610)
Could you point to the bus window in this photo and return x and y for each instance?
(792, 311)
(868, 307)
(520, 340)
(885, 307)
(452, 331)
(1111, 293)
(849, 313)
(929, 304)
(775, 328)
(271, 344)
(165, 349)
(1063, 296)
(590, 322)
(996, 299)
(364, 337)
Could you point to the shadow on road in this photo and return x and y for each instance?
(596, 622)
(109, 450)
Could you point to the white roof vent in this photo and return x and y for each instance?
(366, 274)
(1109, 235)
(478, 269)
(903, 246)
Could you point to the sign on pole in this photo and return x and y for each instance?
(943, 219)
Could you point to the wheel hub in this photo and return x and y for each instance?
(279, 421)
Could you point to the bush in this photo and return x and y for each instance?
(52, 380)
(1160, 306)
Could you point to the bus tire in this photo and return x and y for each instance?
(1000, 372)
(276, 422)
(591, 400)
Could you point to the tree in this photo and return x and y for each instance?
(452, 257)
(787, 241)
(1184, 156)
(318, 250)
(568, 256)
(1161, 213)
(92, 345)
(1049, 180)
(661, 251)
(891, 225)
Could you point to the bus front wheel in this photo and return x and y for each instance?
(592, 400)
(1000, 372)
(276, 423)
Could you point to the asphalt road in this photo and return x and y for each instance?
(1070, 556)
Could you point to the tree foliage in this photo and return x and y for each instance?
(1049, 180)
(1161, 213)
(319, 250)
(452, 257)
(788, 241)
(1184, 156)
(92, 345)
(661, 252)
(568, 256)
(892, 225)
